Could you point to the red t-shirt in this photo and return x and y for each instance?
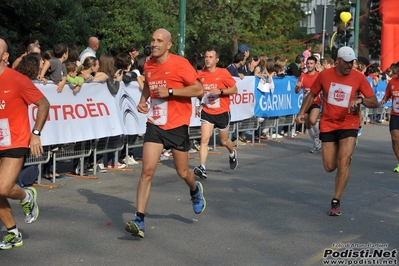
(17, 93)
(338, 91)
(220, 79)
(392, 91)
(175, 73)
(307, 81)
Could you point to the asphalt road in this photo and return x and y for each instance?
(271, 210)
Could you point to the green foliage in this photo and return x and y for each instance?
(374, 27)
(266, 26)
(375, 31)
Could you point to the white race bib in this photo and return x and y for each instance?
(158, 113)
(395, 105)
(5, 137)
(212, 101)
(339, 94)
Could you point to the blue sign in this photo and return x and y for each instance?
(280, 102)
(379, 90)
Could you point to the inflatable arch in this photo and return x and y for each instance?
(389, 33)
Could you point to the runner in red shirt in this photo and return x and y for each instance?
(392, 92)
(218, 85)
(170, 82)
(305, 81)
(339, 122)
(17, 92)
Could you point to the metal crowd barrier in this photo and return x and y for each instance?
(373, 113)
(39, 161)
(288, 120)
(270, 123)
(78, 150)
(132, 141)
(106, 145)
(83, 149)
(251, 124)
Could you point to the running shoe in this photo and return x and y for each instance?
(136, 227)
(198, 200)
(233, 161)
(359, 132)
(396, 170)
(30, 208)
(11, 241)
(196, 145)
(335, 208)
(315, 149)
(118, 165)
(200, 172)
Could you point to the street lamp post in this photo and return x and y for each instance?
(182, 28)
(357, 12)
(324, 28)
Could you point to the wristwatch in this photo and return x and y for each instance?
(170, 90)
(221, 91)
(36, 132)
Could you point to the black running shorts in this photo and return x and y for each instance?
(14, 153)
(394, 122)
(336, 135)
(176, 138)
(220, 121)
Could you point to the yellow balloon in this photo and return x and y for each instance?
(345, 17)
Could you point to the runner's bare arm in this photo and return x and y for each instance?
(195, 90)
(307, 102)
(142, 107)
(42, 112)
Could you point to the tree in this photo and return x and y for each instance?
(364, 25)
(267, 26)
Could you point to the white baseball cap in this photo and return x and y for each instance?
(346, 53)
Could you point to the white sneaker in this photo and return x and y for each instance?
(129, 160)
(192, 150)
(101, 168)
(119, 165)
(278, 136)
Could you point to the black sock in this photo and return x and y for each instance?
(192, 193)
(11, 228)
(140, 215)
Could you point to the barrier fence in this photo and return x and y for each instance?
(120, 123)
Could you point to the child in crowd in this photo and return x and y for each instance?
(280, 68)
(72, 77)
(55, 69)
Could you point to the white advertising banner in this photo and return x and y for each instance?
(95, 113)
(90, 114)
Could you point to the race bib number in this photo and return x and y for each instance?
(395, 105)
(339, 94)
(5, 138)
(212, 101)
(158, 113)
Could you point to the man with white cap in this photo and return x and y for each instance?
(339, 121)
